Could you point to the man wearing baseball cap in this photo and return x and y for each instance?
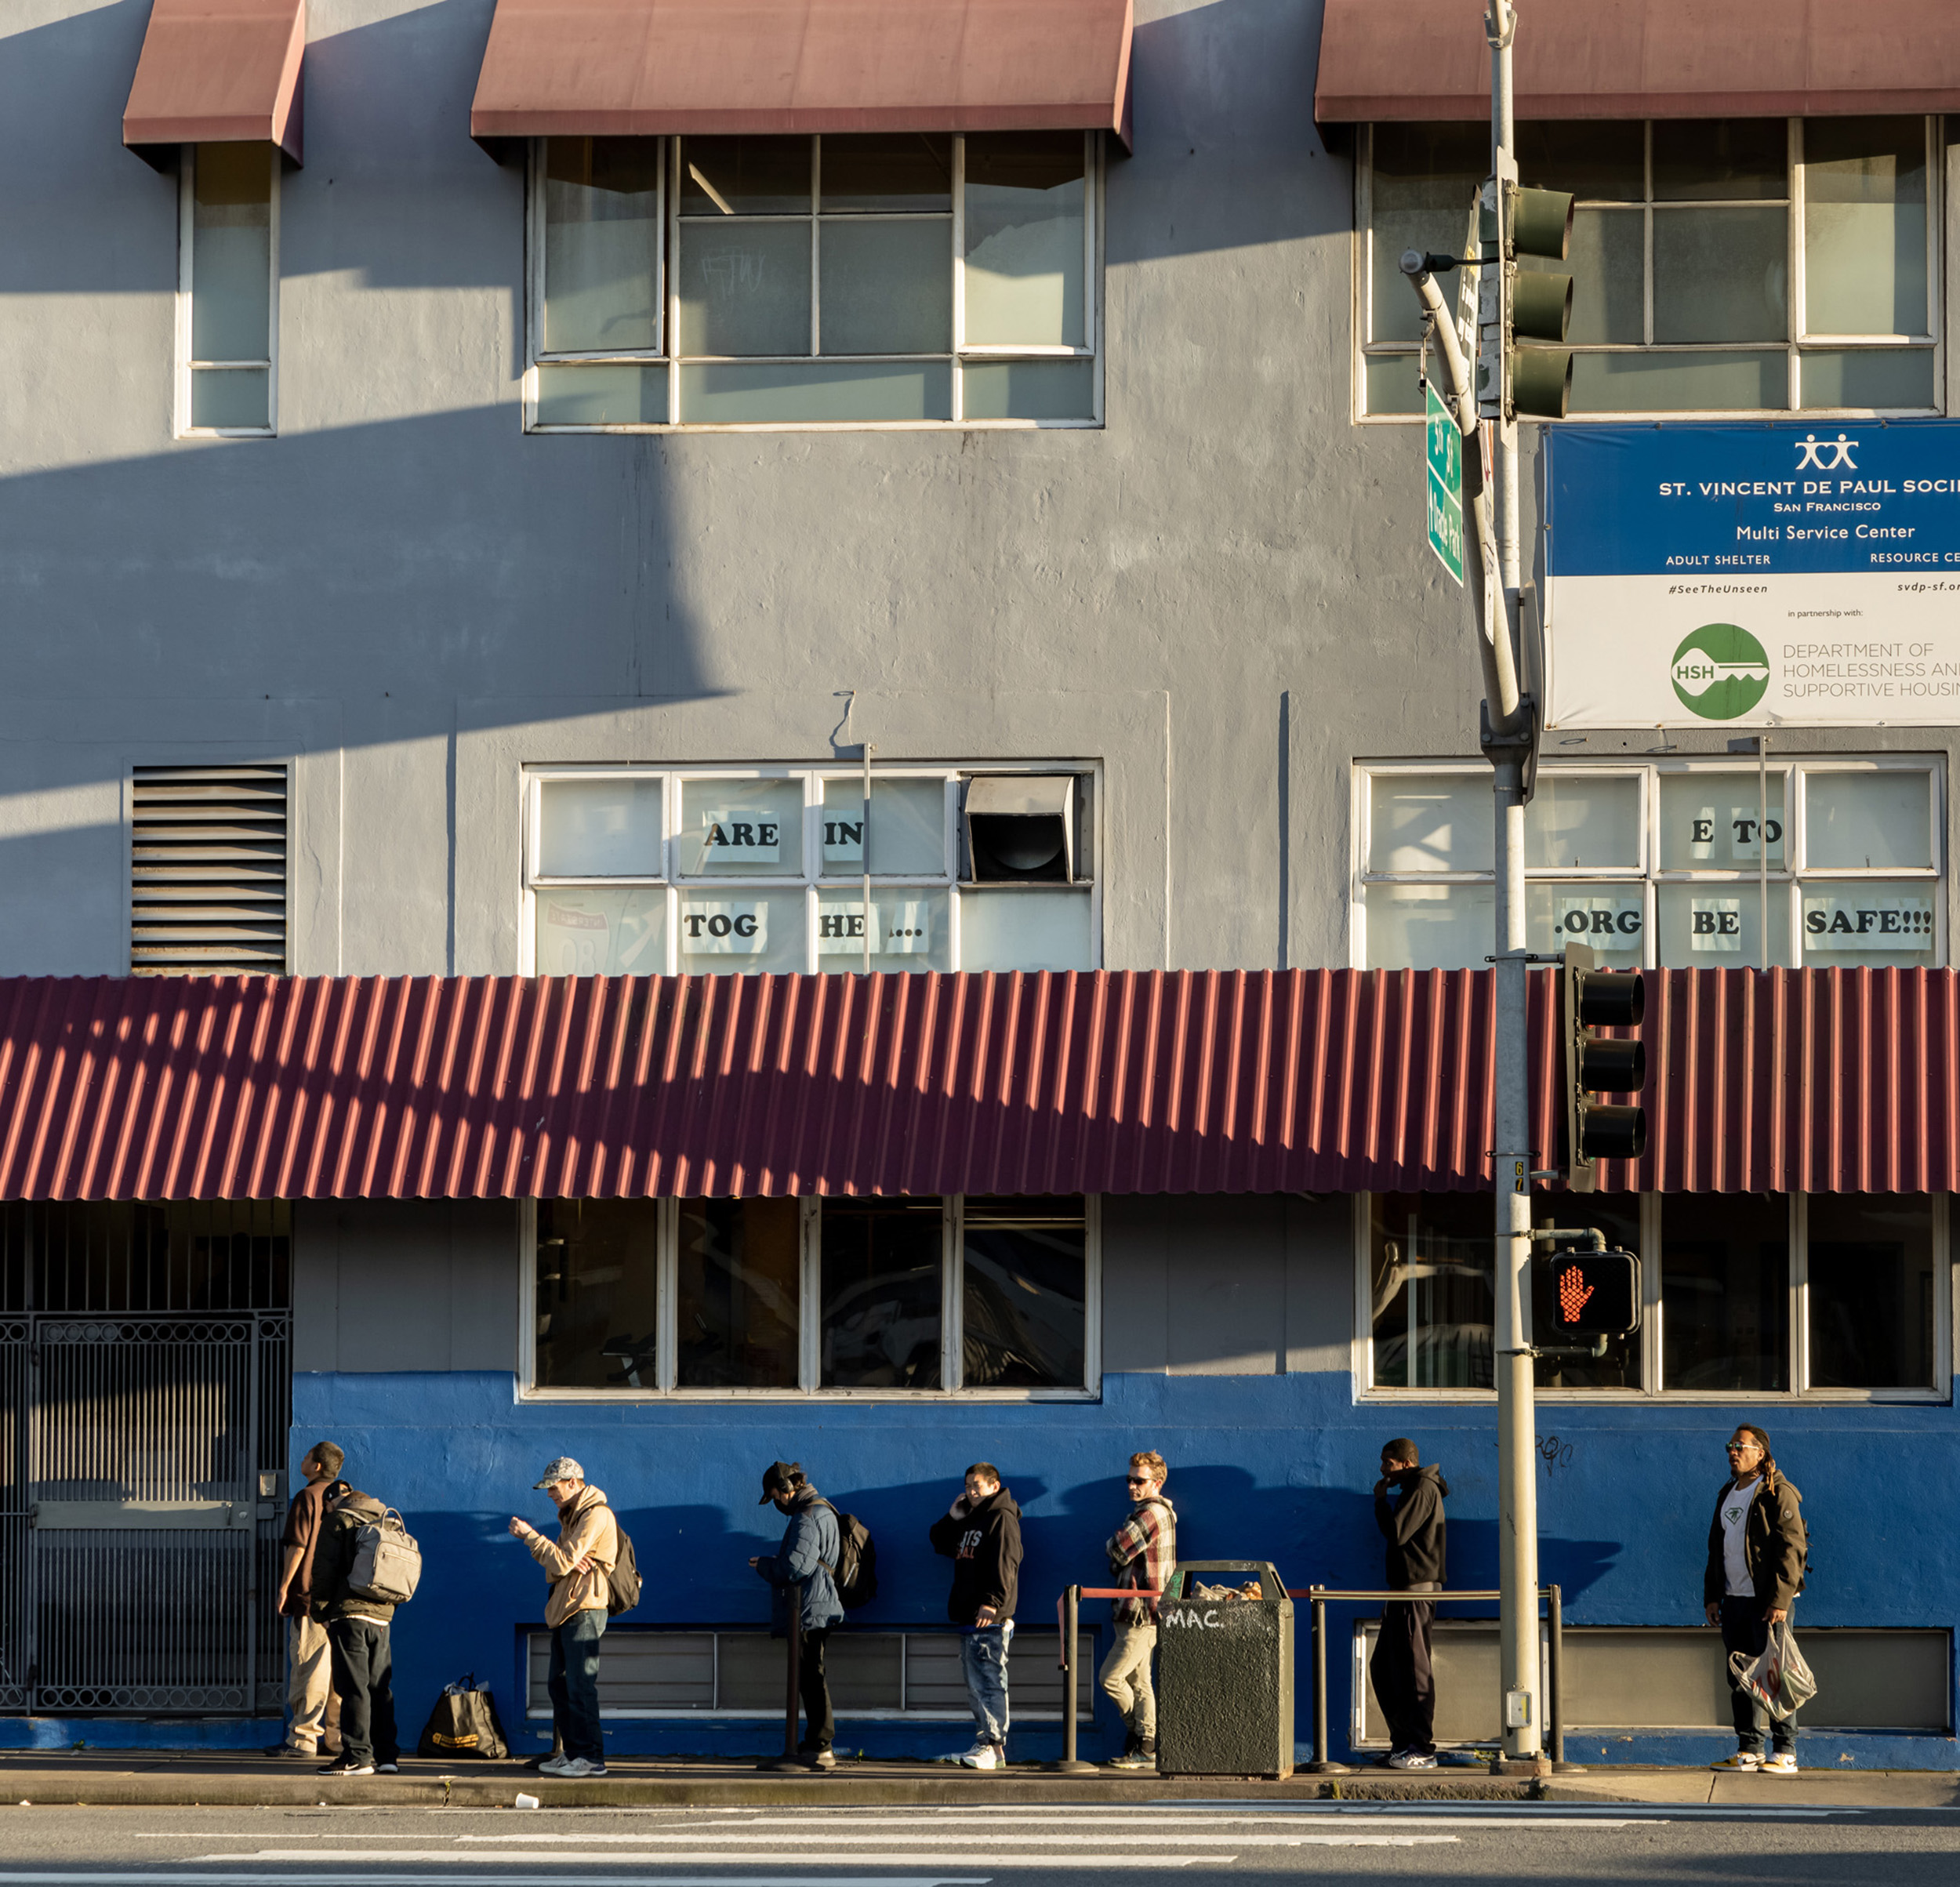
(802, 1573)
(579, 1566)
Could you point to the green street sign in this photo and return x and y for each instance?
(1443, 445)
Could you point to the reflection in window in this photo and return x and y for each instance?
(597, 1308)
(881, 1291)
(1431, 1290)
(736, 1293)
(1872, 1300)
(1725, 1294)
(1024, 1302)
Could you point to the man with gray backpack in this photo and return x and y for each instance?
(364, 1566)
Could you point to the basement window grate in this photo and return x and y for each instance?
(208, 871)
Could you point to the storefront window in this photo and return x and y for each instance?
(881, 1293)
(1873, 1290)
(1432, 1307)
(598, 1302)
(1023, 1293)
(1725, 1291)
(738, 1288)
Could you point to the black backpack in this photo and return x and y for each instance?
(855, 1574)
(624, 1594)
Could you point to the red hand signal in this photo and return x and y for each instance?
(1573, 1290)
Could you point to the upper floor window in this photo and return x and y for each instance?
(1679, 862)
(228, 289)
(635, 872)
(1719, 266)
(904, 279)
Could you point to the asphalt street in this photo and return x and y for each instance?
(1075, 1845)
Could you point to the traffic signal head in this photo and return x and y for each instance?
(1590, 1000)
(1582, 1292)
(1539, 378)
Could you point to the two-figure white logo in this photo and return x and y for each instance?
(1810, 449)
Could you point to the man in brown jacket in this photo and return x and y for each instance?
(579, 1565)
(308, 1663)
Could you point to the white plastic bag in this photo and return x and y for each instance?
(1779, 1679)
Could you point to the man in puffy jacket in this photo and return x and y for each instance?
(803, 1572)
(1408, 1508)
(981, 1534)
(1758, 1549)
(579, 1565)
(358, 1640)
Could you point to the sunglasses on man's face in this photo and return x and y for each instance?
(1137, 1480)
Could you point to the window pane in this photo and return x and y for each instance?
(1593, 158)
(1437, 824)
(1425, 179)
(1868, 376)
(1867, 821)
(1030, 389)
(1719, 926)
(231, 396)
(1710, 821)
(1868, 923)
(910, 170)
(598, 1320)
(1721, 274)
(599, 829)
(745, 176)
(1864, 226)
(1430, 926)
(1679, 382)
(1608, 270)
(231, 256)
(1430, 1275)
(881, 1267)
(1025, 930)
(908, 828)
(745, 288)
(1025, 1298)
(602, 244)
(1724, 1274)
(909, 931)
(737, 1294)
(887, 288)
(1024, 210)
(602, 394)
(743, 828)
(742, 932)
(1873, 1293)
(1580, 819)
(1611, 918)
(600, 933)
(816, 392)
(1730, 158)
(1391, 382)
(1617, 1215)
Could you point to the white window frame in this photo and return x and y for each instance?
(809, 1386)
(187, 248)
(668, 356)
(1945, 1300)
(1799, 341)
(1787, 881)
(812, 879)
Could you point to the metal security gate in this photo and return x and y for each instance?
(141, 1462)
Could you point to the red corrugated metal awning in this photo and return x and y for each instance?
(1325, 1080)
(1428, 59)
(218, 72)
(644, 68)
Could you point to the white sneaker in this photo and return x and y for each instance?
(555, 1765)
(1742, 1759)
(982, 1756)
(1783, 1763)
(577, 1766)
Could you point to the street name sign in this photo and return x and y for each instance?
(1444, 449)
(1786, 573)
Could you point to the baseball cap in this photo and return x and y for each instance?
(780, 1477)
(564, 1468)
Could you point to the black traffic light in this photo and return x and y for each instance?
(1584, 1293)
(1590, 1000)
(1521, 309)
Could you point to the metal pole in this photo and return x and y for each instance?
(1555, 1701)
(1071, 1614)
(790, 1759)
(864, 857)
(1320, 1765)
(1763, 840)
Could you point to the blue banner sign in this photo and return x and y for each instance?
(1789, 573)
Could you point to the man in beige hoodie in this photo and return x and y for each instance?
(579, 1564)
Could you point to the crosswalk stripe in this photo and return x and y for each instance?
(898, 1858)
(1002, 1822)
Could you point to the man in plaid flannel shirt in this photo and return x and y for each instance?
(1143, 1552)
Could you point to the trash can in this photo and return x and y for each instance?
(1225, 1671)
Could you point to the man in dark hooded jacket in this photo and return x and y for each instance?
(1408, 1508)
(803, 1572)
(981, 1534)
(358, 1635)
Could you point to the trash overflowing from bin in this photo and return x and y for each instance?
(1224, 1684)
(1213, 1595)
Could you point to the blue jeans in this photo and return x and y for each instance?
(983, 1658)
(574, 1684)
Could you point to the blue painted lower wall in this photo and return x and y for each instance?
(1270, 1467)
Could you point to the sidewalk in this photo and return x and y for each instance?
(221, 1778)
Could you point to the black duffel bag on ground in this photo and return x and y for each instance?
(463, 1725)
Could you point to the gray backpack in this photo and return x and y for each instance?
(387, 1563)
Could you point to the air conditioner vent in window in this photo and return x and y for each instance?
(1020, 828)
(208, 871)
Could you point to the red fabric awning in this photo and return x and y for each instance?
(642, 68)
(1428, 59)
(218, 72)
(1197, 1082)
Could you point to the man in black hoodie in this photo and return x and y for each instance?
(358, 1635)
(1408, 1508)
(981, 1534)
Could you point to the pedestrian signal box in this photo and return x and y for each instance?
(1585, 1292)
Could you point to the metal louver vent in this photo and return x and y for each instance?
(208, 871)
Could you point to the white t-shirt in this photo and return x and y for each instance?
(1735, 1517)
